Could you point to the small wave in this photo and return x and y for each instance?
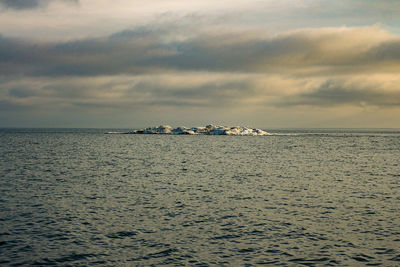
(121, 234)
(225, 237)
(159, 254)
(304, 261)
(65, 259)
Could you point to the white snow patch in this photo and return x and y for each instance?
(206, 130)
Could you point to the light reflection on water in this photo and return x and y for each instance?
(80, 197)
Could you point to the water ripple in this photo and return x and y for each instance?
(85, 198)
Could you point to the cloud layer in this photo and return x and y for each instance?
(193, 68)
(313, 51)
(29, 4)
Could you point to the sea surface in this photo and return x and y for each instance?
(304, 197)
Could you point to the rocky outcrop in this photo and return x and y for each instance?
(206, 130)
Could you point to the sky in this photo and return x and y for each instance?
(257, 63)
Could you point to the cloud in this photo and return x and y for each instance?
(302, 67)
(329, 50)
(29, 4)
(20, 4)
(133, 92)
(345, 92)
(59, 21)
(203, 90)
(183, 97)
(158, 71)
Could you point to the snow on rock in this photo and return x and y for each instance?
(207, 130)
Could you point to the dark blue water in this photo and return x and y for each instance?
(77, 197)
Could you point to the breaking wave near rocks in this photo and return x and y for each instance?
(206, 130)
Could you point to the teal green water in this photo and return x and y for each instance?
(73, 197)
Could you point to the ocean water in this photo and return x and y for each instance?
(78, 197)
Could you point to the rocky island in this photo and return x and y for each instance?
(206, 130)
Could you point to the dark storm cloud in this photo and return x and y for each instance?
(148, 51)
(29, 4)
(336, 93)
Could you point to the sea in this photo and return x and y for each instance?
(301, 197)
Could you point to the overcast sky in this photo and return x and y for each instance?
(136, 63)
